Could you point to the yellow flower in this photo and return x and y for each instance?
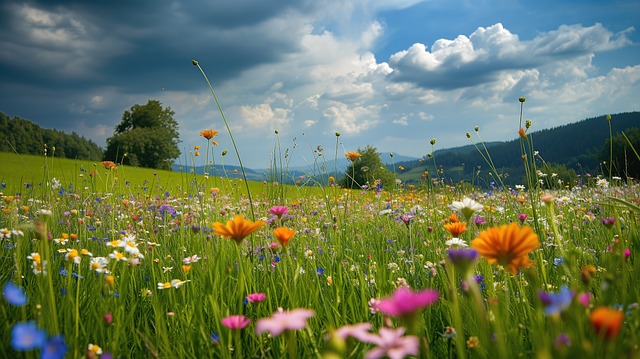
(508, 245)
(284, 235)
(352, 156)
(237, 228)
(111, 281)
(209, 134)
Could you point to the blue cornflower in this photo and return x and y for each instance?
(27, 336)
(558, 261)
(320, 271)
(14, 295)
(54, 348)
(555, 303)
(63, 272)
(215, 338)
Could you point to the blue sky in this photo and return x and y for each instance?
(387, 73)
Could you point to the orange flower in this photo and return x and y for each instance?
(607, 321)
(456, 228)
(108, 165)
(352, 156)
(507, 245)
(284, 235)
(522, 133)
(237, 228)
(453, 218)
(209, 134)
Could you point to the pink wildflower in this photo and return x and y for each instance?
(279, 210)
(280, 321)
(404, 301)
(391, 343)
(359, 331)
(236, 322)
(256, 297)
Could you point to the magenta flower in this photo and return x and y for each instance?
(236, 322)
(405, 301)
(256, 297)
(359, 331)
(391, 342)
(280, 321)
(279, 210)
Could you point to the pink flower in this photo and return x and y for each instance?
(235, 321)
(405, 301)
(627, 253)
(279, 210)
(359, 331)
(584, 299)
(280, 321)
(391, 343)
(256, 297)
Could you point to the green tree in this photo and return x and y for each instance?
(147, 136)
(367, 170)
(625, 162)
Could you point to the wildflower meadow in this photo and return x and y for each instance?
(102, 265)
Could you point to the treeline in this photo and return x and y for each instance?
(578, 146)
(25, 137)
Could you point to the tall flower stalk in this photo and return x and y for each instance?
(226, 124)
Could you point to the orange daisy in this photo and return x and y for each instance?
(508, 245)
(606, 321)
(456, 228)
(108, 165)
(284, 235)
(352, 156)
(209, 134)
(237, 228)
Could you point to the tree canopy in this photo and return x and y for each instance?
(22, 136)
(367, 169)
(147, 136)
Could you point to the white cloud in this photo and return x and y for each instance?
(489, 52)
(263, 115)
(352, 120)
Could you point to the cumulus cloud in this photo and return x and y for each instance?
(488, 52)
(263, 115)
(352, 120)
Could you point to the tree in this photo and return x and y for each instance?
(366, 170)
(147, 136)
(625, 162)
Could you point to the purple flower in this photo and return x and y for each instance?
(405, 301)
(555, 303)
(462, 257)
(608, 222)
(27, 336)
(562, 341)
(14, 295)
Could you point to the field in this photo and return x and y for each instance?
(108, 261)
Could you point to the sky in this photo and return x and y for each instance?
(392, 74)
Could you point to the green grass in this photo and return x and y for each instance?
(350, 247)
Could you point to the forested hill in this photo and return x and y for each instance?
(25, 137)
(577, 146)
